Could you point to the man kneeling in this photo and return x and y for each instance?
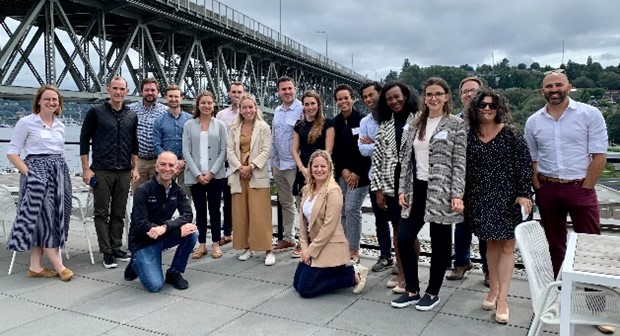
(152, 230)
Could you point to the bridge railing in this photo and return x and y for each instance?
(217, 12)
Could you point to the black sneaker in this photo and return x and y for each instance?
(109, 261)
(130, 274)
(382, 264)
(405, 300)
(121, 255)
(177, 281)
(426, 303)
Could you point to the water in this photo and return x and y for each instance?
(72, 152)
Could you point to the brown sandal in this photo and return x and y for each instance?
(225, 240)
(199, 254)
(215, 254)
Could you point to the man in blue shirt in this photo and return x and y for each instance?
(168, 130)
(284, 169)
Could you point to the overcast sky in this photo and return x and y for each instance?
(381, 34)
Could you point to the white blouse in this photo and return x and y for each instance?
(307, 209)
(204, 152)
(34, 137)
(421, 148)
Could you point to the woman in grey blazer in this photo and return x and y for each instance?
(204, 150)
(432, 183)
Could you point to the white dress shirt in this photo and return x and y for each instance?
(34, 137)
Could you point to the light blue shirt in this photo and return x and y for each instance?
(368, 128)
(282, 135)
(168, 133)
(562, 148)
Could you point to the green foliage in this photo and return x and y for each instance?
(610, 171)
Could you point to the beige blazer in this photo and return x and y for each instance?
(329, 247)
(260, 146)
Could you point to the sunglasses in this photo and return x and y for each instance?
(482, 106)
(561, 71)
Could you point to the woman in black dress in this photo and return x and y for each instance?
(312, 132)
(497, 188)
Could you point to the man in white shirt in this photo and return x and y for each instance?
(568, 145)
(228, 116)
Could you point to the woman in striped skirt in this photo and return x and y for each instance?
(42, 220)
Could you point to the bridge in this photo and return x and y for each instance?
(78, 45)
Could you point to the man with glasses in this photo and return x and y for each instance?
(462, 233)
(568, 145)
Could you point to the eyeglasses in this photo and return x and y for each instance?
(468, 91)
(561, 71)
(436, 94)
(482, 106)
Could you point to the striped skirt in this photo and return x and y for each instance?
(44, 207)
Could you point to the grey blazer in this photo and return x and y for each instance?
(446, 178)
(191, 149)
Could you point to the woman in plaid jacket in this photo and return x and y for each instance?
(432, 183)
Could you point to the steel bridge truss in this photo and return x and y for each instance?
(90, 41)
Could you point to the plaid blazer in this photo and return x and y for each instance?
(386, 156)
(446, 170)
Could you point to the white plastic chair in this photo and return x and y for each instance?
(588, 308)
(8, 209)
(83, 212)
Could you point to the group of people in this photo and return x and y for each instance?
(416, 159)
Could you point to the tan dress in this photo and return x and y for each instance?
(251, 210)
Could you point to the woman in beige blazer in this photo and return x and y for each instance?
(324, 264)
(249, 142)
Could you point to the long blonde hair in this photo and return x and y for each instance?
(259, 114)
(310, 183)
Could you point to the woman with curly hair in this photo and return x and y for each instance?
(324, 264)
(497, 190)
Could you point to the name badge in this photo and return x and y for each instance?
(45, 134)
(441, 135)
(355, 131)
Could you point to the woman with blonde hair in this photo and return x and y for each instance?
(249, 143)
(42, 221)
(324, 264)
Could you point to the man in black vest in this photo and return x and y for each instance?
(111, 127)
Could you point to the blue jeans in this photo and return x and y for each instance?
(462, 247)
(313, 281)
(352, 213)
(208, 195)
(146, 262)
(382, 227)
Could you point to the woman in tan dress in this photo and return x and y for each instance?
(249, 142)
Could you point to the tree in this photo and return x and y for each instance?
(467, 67)
(613, 127)
(521, 66)
(391, 76)
(609, 80)
(535, 66)
(583, 82)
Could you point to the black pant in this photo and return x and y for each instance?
(208, 195)
(110, 203)
(441, 244)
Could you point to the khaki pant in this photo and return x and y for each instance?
(252, 218)
(284, 180)
(146, 170)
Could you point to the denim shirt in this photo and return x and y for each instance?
(168, 133)
(282, 135)
(368, 128)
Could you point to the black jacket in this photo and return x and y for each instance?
(114, 137)
(151, 208)
(346, 152)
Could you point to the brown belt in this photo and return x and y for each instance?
(557, 180)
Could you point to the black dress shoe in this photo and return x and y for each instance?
(177, 281)
(130, 274)
(121, 255)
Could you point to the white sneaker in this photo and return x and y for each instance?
(270, 259)
(247, 254)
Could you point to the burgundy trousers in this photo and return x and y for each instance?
(555, 201)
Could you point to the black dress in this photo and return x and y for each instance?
(306, 149)
(497, 173)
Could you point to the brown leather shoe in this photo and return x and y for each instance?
(605, 329)
(284, 244)
(458, 272)
(66, 275)
(45, 273)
